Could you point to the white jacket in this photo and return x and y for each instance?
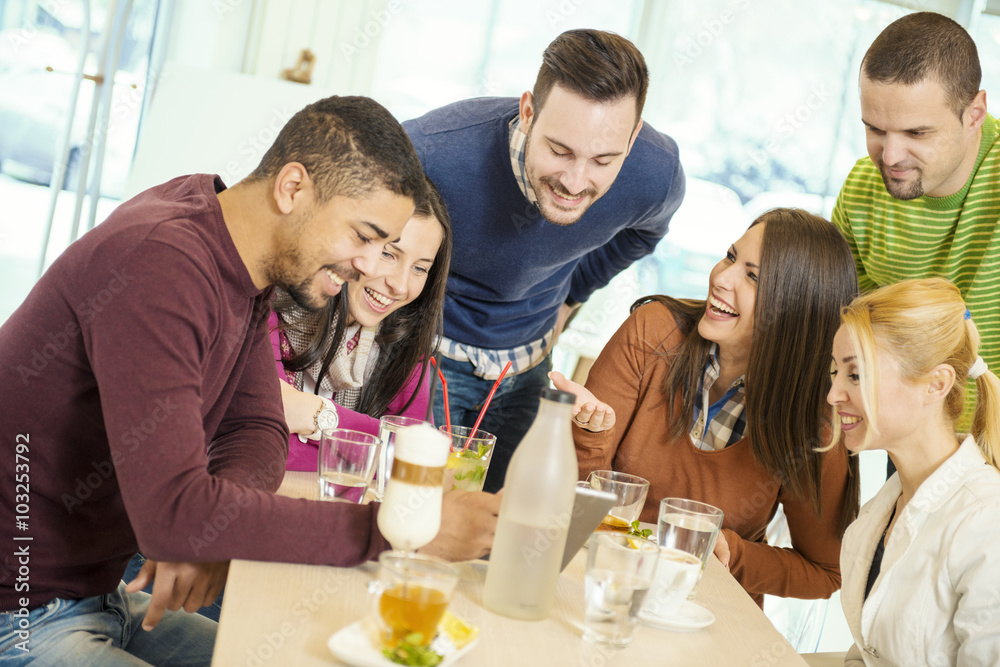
(937, 597)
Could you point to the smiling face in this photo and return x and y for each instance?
(915, 139)
(574, 150)
(400, 275)
(732, 294)
(324, 245)
(898, 401)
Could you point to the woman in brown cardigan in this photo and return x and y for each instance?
(666, 400)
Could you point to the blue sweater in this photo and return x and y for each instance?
(510, 268)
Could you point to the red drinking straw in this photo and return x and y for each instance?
(486, 404)
(444, 391)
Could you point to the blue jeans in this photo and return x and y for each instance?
(212, 611)
(105, 631)
(509, 416)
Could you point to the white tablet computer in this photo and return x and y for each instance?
(589, 508)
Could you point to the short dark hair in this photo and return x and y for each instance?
(350, 146)
(926, 45)
(600, 66)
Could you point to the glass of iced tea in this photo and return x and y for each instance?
(469, 460)
(630, 491)
(410, 597)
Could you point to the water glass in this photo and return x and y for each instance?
(689, 526)
(469, 460)
(630, 491)
(676, 576)
(389, 426)
(620, 570)
(346, 464)
(411, 595)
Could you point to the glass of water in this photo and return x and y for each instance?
(620, 570)
(689, 526)
(389, 426)
(346, 464)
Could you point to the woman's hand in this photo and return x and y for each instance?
(300, 409)
(721, 550)
(588, 412)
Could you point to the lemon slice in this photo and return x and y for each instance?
(615, 524)
(634, 542)
(453, 462)
(460, 632)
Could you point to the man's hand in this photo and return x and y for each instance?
(468, 523)
(176, 585)
(588, 412)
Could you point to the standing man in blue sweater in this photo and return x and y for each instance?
(550, 197)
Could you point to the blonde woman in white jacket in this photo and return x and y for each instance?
(921, 564)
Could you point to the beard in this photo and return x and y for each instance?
(550, 210)
(901, 190)
(282, 272)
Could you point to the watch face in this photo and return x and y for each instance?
(327, 419)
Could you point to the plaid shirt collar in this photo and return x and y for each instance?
(729, 424)
(518, 140)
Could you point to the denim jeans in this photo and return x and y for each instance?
(509, 415)
(105, 631)
(212, 611)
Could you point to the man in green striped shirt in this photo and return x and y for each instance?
(926, 200)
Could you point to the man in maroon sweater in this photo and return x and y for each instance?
(139, 408)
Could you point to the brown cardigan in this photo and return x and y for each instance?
(629, 375)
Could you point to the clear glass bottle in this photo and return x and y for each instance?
(534, 514)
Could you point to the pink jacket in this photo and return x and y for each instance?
(305, 456)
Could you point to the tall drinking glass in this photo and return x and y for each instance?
(346, 464)
(630, 491)
(620, 570)
(689, 526)
(389, 426)
(469, 460)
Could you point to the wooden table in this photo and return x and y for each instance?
(281, 614)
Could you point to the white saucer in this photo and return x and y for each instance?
(688, 618)
(352, 645)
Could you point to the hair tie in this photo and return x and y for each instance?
(978, 368)
(968, 315)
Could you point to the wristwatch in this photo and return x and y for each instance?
(325, 419)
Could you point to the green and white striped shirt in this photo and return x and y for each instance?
(955, 237)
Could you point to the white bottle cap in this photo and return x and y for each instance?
(422, 445)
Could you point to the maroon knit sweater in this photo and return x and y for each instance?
(139, 380)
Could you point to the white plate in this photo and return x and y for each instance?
(353, 646)
(688, 618)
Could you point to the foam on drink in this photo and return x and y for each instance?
(410, 515)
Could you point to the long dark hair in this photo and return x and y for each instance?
(406, 337)
(807, 275)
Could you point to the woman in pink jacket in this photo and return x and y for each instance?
(365, 354)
